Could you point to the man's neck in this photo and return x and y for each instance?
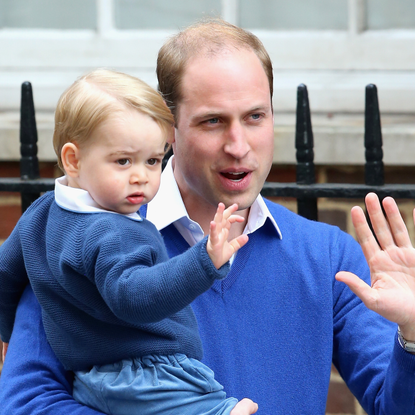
(203, 214)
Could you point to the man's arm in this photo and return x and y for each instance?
(32, 380)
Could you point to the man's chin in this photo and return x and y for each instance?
(244, 202)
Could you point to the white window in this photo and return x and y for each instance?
(335, 47)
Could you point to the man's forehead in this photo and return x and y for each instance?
(211, 55)
(216, 72)
(211, 69)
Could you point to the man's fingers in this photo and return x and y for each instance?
(359, 287)
(364, 235)
(390, 231)
(379, 222)
(396, 223)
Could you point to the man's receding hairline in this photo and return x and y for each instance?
(202, 42)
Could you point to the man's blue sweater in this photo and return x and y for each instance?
(273, 327)
(107, 288)
(270, 331)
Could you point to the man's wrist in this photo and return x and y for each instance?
(408, 345)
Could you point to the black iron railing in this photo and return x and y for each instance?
(305, 189)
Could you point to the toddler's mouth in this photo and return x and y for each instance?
(136, 198)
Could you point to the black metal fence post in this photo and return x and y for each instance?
(29, 164)
(305, 190)
(304, 144)
(374, 171)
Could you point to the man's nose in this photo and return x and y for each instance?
(236, 144)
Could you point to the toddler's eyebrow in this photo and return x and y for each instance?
(129, 153)
(122, 153)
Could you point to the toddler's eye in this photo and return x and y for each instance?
(152, 162)
(123, 162)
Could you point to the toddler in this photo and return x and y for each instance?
(116, 310)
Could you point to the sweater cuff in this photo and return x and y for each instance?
(218, 274)
(404, 359)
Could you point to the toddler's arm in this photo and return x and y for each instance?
(219, 249)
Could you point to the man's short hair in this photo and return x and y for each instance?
(96, 96)
(207, 38)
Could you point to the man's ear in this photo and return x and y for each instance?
(172, 141)
(70, 155)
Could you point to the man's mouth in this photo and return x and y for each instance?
(235, 176)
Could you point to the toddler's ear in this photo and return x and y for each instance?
(70, 159)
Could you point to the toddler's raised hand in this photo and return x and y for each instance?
(218, 247)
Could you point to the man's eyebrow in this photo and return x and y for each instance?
(218, 113)
(260, 108)
(206, 115)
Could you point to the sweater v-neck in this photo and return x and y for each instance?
(176, 244)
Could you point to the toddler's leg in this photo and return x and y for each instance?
(154, 385)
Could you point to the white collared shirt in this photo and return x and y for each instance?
(167, 207)
(79, 200)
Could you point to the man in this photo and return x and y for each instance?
(272, 328)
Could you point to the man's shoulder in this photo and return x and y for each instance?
(289, 220)
(282, 213)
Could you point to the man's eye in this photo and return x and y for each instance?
(123, 162)
(152, 162)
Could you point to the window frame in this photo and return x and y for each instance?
(328, 62)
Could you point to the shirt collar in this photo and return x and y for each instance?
(79, 200)
(167, 207)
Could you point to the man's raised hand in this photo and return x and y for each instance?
(391, 263)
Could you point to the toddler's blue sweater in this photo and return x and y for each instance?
(107, 288)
